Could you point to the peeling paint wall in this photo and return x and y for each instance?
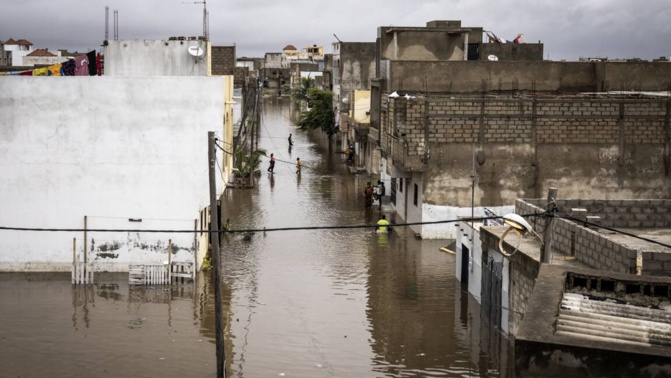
(110, 148)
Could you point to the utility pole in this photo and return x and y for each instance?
(206, 26)
(254, 122)
(550, 207)
(214, 233)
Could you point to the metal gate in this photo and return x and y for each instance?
(492, 278)
(392, 194)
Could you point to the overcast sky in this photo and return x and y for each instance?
(568, 28)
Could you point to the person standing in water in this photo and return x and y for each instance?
(291, 142)
(298, 166)
(272, 163)
(368, 195)
(383, 224)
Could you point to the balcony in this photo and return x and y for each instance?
(399, 158)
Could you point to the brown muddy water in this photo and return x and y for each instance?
(306, 303)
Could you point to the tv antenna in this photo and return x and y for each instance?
(206, 15)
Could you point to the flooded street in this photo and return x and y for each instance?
(300, 303)
(340, 302)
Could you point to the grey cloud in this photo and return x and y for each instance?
(568, 28)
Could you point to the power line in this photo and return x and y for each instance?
(251, 230)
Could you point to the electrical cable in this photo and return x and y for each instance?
(252, 230)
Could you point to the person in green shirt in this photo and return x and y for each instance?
(383, 225)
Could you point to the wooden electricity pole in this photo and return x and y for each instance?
(214, 237)
(546, 248)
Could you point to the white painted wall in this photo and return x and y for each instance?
(112, 148)
(18, 52)
(465, 235)
(414, 213)
(469, 237)
(155, 58)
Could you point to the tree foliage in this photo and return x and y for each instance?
(244, 166)
(302, 91)
(320, 112)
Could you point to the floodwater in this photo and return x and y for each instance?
(339, 302)
(302, 303)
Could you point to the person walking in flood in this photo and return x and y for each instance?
(291, 142)
(368, 195)
(383, 225)
(272, 164)
(298, 166)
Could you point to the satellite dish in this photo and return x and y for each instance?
(196, 51)
(493, 58)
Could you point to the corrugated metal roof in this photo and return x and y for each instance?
(611, 321)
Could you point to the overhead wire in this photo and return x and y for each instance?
(254, 230)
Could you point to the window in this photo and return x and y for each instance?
(415, 195)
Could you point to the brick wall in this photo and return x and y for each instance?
(223, 60)
(656, 263)
(556, 120)
(592, 248)
(643, 213)
(608, 146)
(598, 250)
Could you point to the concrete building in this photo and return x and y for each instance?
(290, 52)
(19, 49)
(353, 68)
(457, 131)
(276, 72)
(5, 56)
(125, 151)
(142, 57)
(42, 57)
(327, 72)
(593, 297)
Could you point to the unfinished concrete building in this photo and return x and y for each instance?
(600, 302)
(456, 131)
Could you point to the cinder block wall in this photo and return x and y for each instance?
(656, 264)
(523, 273)
(223, 60)
(609, 147)
(598, 250)
(643, 213)
(525, 120)
(592, 248)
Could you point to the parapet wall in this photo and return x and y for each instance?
(596, 249)
(460, 76)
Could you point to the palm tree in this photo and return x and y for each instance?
(243, 166)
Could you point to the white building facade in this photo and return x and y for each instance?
(123, 153)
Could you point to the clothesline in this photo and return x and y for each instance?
(88, 64)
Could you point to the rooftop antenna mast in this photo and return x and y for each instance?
(206, 17)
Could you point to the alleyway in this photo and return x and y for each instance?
(345, 302)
